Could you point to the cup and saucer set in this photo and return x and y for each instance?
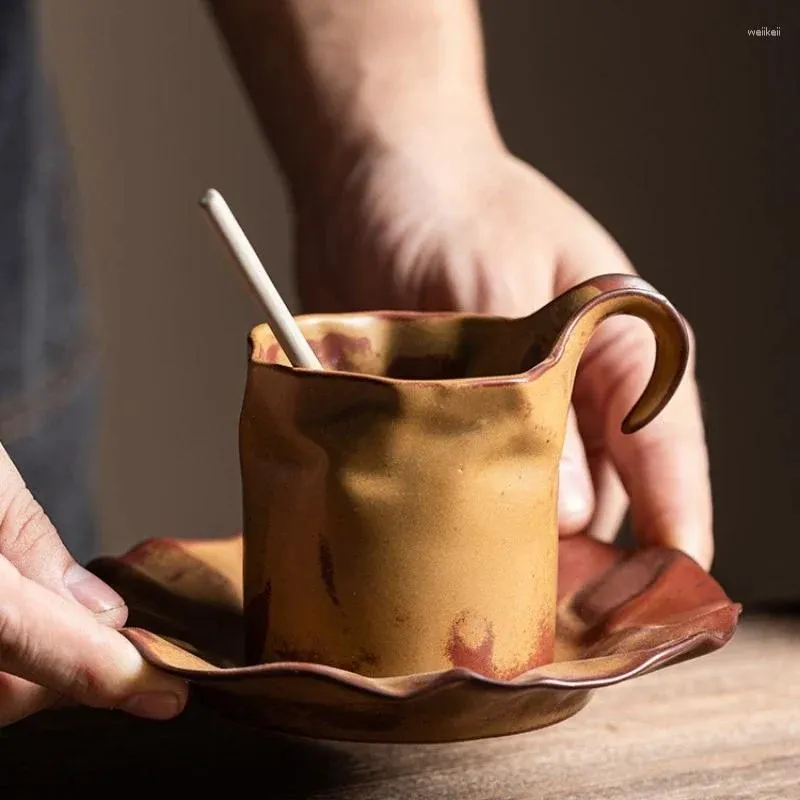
(400, 577)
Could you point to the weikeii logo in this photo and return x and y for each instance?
(769, 32)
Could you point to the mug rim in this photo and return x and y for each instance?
(505, 379)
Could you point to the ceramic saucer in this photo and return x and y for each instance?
(621, 615)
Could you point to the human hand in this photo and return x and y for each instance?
(447, 223)
(405, 197)
(58, 641)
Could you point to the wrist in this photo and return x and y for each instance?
(426, 131)
(436, 127)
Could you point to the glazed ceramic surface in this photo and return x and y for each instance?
(400, 507)
(620, 615)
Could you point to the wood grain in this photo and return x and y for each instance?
(724, 726)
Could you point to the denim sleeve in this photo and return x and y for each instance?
(48, 377)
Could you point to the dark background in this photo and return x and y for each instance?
(681, 134)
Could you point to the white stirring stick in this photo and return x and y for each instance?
(279, 317)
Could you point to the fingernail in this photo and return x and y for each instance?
(153, 705)
(90, 591)
(574, 493)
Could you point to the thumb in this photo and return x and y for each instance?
(30, 542)
(56, 643)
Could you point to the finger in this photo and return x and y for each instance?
(20, 698)
(30, 542)
(54, 642)
(575, 492)
(664, 466)
(611, 501)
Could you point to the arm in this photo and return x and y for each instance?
(331, 80)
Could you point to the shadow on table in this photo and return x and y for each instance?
(105, 752)
(101, 750)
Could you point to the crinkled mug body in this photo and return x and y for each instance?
(400, 507)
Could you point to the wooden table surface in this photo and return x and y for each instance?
(724, 726)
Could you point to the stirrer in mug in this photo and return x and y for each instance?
(280, 319)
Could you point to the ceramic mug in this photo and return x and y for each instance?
(400, 507)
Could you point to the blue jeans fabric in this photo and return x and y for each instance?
(48, 377)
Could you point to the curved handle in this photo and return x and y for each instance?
(578, 312)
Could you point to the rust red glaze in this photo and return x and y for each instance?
(334, 350)
(326, 569)
(147, 548)
(257, 624)
(480, 658)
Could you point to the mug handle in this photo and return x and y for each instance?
(576, 314)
